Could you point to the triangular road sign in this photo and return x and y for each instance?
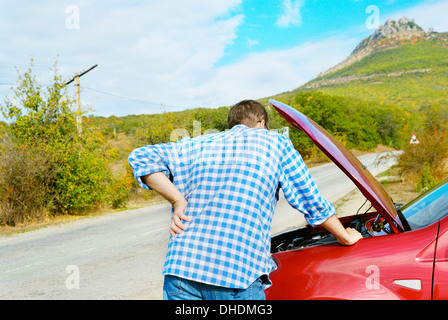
(414, 139)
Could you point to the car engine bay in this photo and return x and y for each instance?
(369, 225)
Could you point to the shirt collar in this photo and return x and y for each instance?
(241, 127)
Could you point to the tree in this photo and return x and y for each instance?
(43, 119)
(351, 120)
(426, 164)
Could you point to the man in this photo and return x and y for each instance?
(224, 188)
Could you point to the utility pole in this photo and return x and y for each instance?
(78, 104)
(78, 97)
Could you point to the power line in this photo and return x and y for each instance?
(116, 96)
(108, 93)
(15, 66)
(133, 99)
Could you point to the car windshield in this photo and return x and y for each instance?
(428, 208)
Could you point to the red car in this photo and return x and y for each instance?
(403, 255)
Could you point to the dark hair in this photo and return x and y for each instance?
(247, 112)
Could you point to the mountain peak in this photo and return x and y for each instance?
(388, 36)
(402, 29)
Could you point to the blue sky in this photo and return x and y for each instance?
(171, 55)
(267, 24)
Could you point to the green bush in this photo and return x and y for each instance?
(426, 179)
(44, 120)
(426, 163)
(120, 189)
(361, 125)
(24, 172)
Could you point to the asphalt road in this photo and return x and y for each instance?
(120, 255)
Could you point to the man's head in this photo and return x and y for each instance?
(250, 113)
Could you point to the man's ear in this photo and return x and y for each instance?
(260, 124)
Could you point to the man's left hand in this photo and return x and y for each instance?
(177, 226)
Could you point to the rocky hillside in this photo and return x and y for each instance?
(391, 35)
(399, 64)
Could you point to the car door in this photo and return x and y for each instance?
(397, 266)
(441, 263)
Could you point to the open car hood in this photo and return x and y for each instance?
(346, 161)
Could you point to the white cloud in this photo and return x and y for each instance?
(262, 74)
(150, 50)
(251, 43)
(159, 51)
(166, 51)
(291, 13)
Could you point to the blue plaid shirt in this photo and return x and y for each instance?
(230, 180)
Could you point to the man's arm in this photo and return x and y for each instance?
(159, 182)
(302, 193)
(150, 165)
(344, 236)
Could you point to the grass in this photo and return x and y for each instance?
(421, 55)
(409, 91)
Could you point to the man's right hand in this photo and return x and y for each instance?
(354, 236)
(346, 237)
